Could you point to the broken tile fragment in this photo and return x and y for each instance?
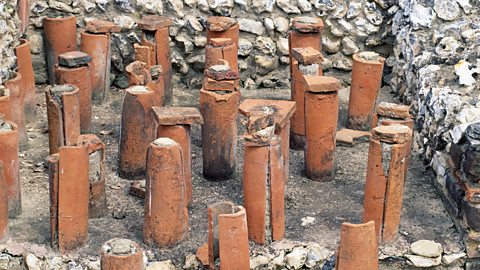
(350, 137)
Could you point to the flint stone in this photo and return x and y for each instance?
(423, 262)
(251, 26)
(427, 248)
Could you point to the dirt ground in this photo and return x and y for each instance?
(423, 215)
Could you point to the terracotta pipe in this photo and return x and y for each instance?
(3, 206)
(157, 84)
(121, 254)
(9, 158)
(5, 110)
(165, 195)
(63, 107)
(395, 114)
(96, 41)
(358, 247)
(321, 106)
(219, 133)
(305, 32)
(137, 132)
(263, 191)
(25, 68)
(23, 11)
(53, 191)
(228, 236)
(17, 107)
(77, 73)
(367, 73)
(60, 37)
(385, 179)
(283, 111)
(138, 73)
(155, 34)
(174, 123)
(300, 68)
(97, 206)
(71, 168)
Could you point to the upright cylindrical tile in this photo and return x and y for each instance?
(25, 68)
(264, 191)
(321, 106)
(221, 49)
(228, 236)
(76, 72)
(5, 109)
(137, 132)
(95, 41)
(155, 34)
(63, 113)
(174, 123)
(9, 157)
(97, 206)
(358, 247)
(165, 195)
(385, 179)
(72, 209)
(367, 73)
(17, 105)
(60, 37)
(121, 254)
(219, 133)
(3, 206)
(23, 11)
(305, 32)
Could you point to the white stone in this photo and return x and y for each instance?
(151, 6)
(176, 6)
(281, 24)
(251, 26)
(266, 45)
(32, 262)
(427, 248)
(421, 16)
(194, 23)
(258, 262)
(279, 259)
(449, 259)
(354, 9)
(348, 46)
(165, 265)
(282, 46)
(329, 45)
(447, 9)
(260, 6)
(304, 5)
(465, 4)
(424, 262)
(288, 6)
(191, 262)
(124, 22)
(316, 254)
(221, 6)
(269, 25)
(307, 221)
(465, 72)
(296, 259)
(200, 41)
(245, 47)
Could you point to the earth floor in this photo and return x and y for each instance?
(330, 204)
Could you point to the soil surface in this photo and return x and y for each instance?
(330, 204)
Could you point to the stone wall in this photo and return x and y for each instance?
(8, 38)
(350, 26)
(437, 67)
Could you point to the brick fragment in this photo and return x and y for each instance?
(219, 23)
(74, 59)
(177, 116)
(153, 22)
(321, 84)
(214, 85)
(350, 137)
(393, 110)
(307, 24)
(101, 27)
(138, 73)
(392, 133)
(137, 188)
(9, 157)
(307, 56)
(220, 42)
(121, 254)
